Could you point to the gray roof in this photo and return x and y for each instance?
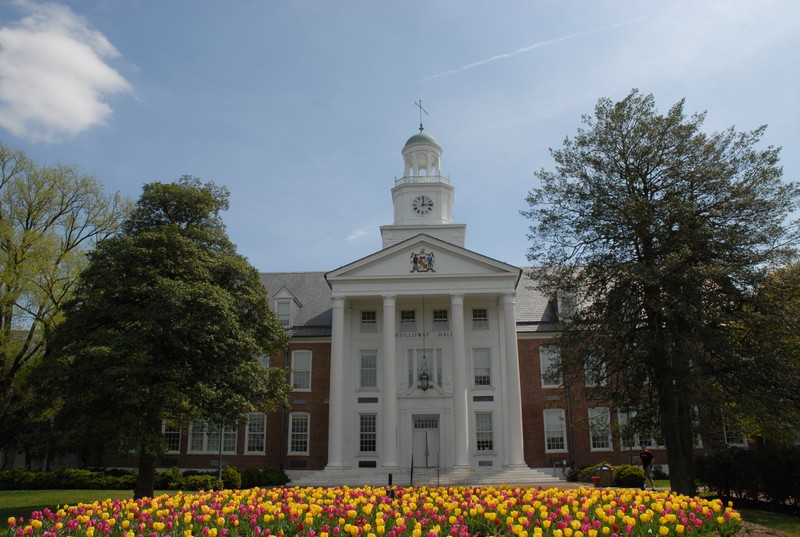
(534, 311)
(310, 289)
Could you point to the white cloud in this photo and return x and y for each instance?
(357, 234)
(54, 79)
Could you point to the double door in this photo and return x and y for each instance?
(425, 443)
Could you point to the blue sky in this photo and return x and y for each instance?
(301, 108)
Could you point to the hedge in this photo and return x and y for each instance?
(769, 474)
(118, 479)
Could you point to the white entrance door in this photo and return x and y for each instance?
(426, 441)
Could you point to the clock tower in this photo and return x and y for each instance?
(423, 197)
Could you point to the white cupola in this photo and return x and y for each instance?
(423, 197)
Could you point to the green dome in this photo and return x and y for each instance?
(421, 138)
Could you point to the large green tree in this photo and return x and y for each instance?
(167, 324)
(659, 233)
(49, 218)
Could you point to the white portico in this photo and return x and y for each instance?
(424, 363)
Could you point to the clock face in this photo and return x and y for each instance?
(422, 205)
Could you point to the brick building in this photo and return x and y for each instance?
(422, 355)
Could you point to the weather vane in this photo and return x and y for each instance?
(419, 105)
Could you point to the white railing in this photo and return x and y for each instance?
(410, 179)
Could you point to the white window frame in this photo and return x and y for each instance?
(482, 367)
(484, 432)
(368, 432)
(299, 435)
(626, 441)
(297, 372)
(284, 317)
(733, 434)
(441, 320)
(555, 422)
(480, 318)
(408, 320)
(623, 418)
(365, 368)
(549, 356)
(600, 429)
(209, 442)
(255, 433)
(169, 432)
(592, 380)
(369, 321)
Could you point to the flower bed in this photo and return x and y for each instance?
(374, 512)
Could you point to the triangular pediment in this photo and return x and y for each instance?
(424, 262)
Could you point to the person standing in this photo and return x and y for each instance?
(647, 459)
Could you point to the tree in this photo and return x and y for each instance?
(768, 347)
(167, 324)
(49, 218)
(659, 233)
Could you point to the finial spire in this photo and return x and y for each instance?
(419, 105)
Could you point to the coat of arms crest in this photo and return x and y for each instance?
(423, 261)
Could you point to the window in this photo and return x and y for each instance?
(482, 367)
(555, 430)
(483, 431)
(256, 432)
(628, 437)
(369, 369)
(408, 321)
(299, 428)
(204, 437)
(734, 434)
(369, 433)
(595, 372)
(600, 429)
(284, 312)
(172, 437)
(440, 321)
(549, 361)
(369, 321)
(264, 361)
(630, 431)
(480, 319)
(433, 363)
(301, 370)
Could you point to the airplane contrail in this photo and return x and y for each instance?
(526, 49)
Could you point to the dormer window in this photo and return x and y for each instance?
(283, 309)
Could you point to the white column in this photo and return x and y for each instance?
(336, 398)
(460, 393)
(516, 452)
(389, 385)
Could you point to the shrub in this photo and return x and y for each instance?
(263, 477)
(771, 473)
(171, 479)
(231, 478)
(201, 482)
(585, 472)
(628, 476)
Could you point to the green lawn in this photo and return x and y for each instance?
(789, 524)
(21, 503)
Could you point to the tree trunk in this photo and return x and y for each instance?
(149, 441)
(146, 478)
(676, 427)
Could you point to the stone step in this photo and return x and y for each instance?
(402, 477)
